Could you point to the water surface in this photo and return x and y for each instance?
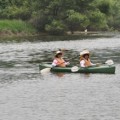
(27, 95)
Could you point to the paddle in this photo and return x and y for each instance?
(74, 69)
(109, 62)
(45, 70)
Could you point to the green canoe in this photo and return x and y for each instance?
(110, 69)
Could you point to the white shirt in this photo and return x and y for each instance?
(82, 63)
(55, 63)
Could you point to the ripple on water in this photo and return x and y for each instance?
(27, 95)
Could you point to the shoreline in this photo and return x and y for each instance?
(44, 36)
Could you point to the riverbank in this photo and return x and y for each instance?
(43, 37)
(17, 30)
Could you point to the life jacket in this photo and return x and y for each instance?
(87, 62)
(60, 62)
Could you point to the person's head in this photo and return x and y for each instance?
(85, 54)
(58, 54)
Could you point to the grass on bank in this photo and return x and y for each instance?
(16, 26)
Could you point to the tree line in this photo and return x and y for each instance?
(58, 16)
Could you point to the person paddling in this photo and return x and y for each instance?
(84, 59)
(59, 61)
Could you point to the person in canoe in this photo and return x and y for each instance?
(59, 61)
(84, 59)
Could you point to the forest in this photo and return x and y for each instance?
(56, 17)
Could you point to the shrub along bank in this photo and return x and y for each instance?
(15, 28)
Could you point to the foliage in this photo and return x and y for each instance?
(15, 26)
(72, 14)
(13, 12)
(15, 9)
(104, 6)
(75, 20)
(55, 28)
(97, 20)
(39, 22)
(114, 19)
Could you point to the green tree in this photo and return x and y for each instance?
(97, 20)
(16, 9)
(3, 4)
(114, 18)
(75, 20)
(74, 14)
(104, 6)
(55, 28)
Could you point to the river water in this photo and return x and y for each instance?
(25, 94)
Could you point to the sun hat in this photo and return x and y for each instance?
(84, 52)
(58, 52)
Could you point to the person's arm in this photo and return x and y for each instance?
(82, 63)
(67, 63)
(92, 64)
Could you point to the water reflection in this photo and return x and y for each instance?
(57, 38)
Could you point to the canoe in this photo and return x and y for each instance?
(109, 69)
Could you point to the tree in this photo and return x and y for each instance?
(16, 9)
(75, 20)
(56, 27)
(97, 20)
(104, 6)
(114, 17)
(74, 14)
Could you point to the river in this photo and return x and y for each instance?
(25, 94)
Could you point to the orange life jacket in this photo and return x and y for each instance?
(60, 62)
(87, 62)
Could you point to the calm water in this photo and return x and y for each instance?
(27, 95)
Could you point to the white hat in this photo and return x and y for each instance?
(58, 52)
(84, 52)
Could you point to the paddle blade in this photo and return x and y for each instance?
(109, 62)
(74, 69)
(45, 70)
